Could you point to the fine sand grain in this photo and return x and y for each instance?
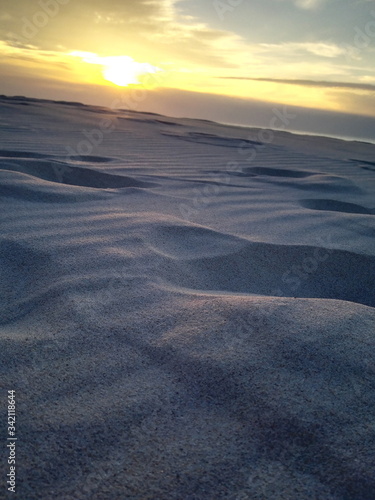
(187, 312)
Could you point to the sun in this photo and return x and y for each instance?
(120, 70)
(123, 70)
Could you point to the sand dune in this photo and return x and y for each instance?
(277, 172)
(259, 268)
(336, 206)
(187, 312)
(212, 139)
(72, 176)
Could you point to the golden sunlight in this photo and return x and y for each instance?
(120, 70)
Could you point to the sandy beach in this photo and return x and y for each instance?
(187, 308)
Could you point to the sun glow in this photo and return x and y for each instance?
(123, 70)
(120, 70)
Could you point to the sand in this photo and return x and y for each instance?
(187, 308)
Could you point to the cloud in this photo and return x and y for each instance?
(310, 83)
(29, 52)
(146, 29)
(322, 49)
(5, 17)
(190, 50)
(306, 4)
(362, 103)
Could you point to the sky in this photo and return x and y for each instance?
(204, 58)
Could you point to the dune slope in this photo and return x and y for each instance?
(187, 312)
